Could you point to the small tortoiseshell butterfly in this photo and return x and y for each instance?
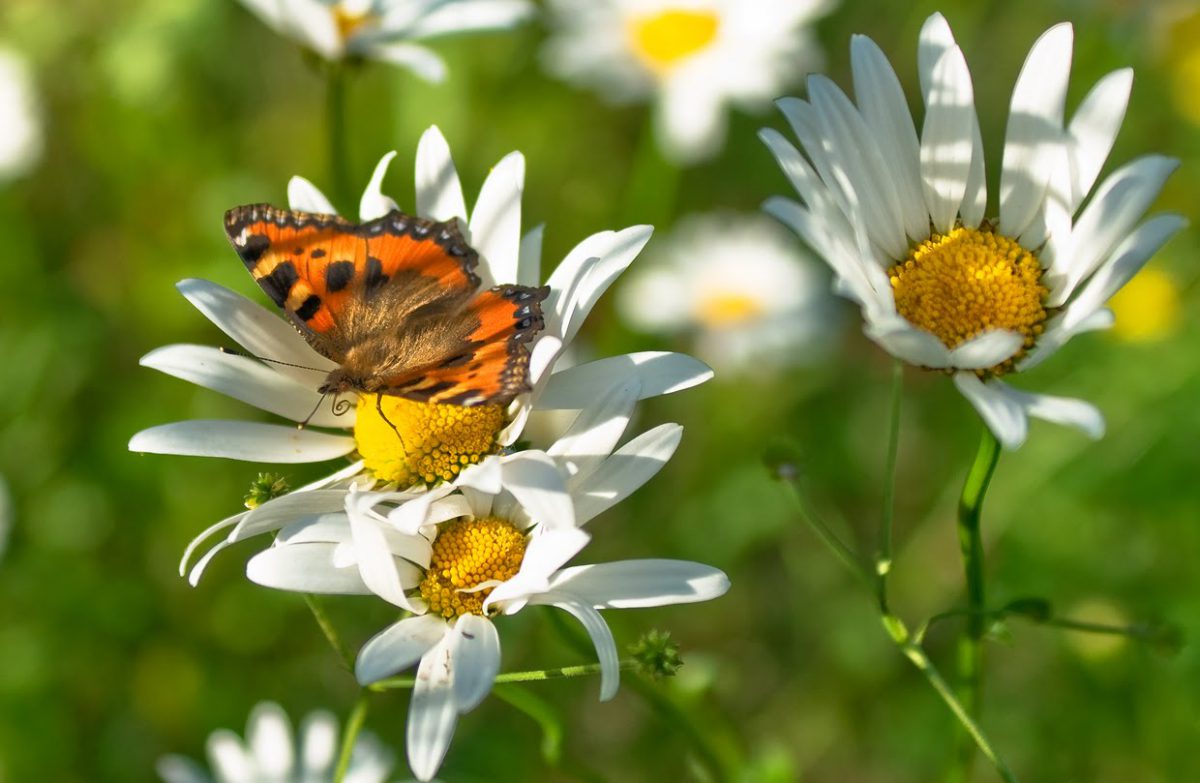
(394, 302)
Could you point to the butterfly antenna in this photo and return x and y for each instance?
(382, 415)
(313, 412)
(232, 352)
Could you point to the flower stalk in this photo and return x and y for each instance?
(335, 118)
(354, 724)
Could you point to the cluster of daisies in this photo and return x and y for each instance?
(476, 512)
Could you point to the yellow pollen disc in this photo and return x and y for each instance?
(1147, 308)
(969, 281)
(728, 309)
(664, 39)
(466, 554)
(424, 443)
(350, 20)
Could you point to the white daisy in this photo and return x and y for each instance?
(457, 558)
(900, 219)
(21, 127)
(694, 58)
(269, 753)
(385, 29)
(437, 439)
(741, 285)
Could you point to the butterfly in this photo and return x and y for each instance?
(394, 302)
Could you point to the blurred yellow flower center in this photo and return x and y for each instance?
(1147, 308)
(728, 309)
(961, 284)
(468, 553)
(661, 40)
(423, 442)
(350, 18)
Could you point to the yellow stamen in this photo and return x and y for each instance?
(1147, 308)
(350, 20)
(728, 309)
(664, 39)
(466, 554)
(430, 443)
(961, 284)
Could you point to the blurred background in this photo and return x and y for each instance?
(156, 117)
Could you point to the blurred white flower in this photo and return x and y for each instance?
(693, 58)
(741, 286)
(271, 754)
(6, 514)
(20, 117)
(458, 557)
(900, 219)
(385, 29)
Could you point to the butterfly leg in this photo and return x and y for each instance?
(382, 415)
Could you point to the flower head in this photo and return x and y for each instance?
(694, 58)
(901, 219)
(385, 29)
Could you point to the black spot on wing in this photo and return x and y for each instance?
(317, 253)
(374, 274)
(338, 274)
(253, 249)
(279, 283)
(309, 307)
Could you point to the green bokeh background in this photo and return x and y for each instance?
(160, 115)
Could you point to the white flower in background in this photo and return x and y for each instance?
(900, 219)
(437, 440)
(20, 117)
(458, 558)
(270, 754)
(741, 285)
(385, 29)
(6, 514)
(693, 58)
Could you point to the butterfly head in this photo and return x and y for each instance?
(342, 380)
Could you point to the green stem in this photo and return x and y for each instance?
(970, 539)
(327, 628)
(845, 555)
(537, 675)
(883, 563)
(335, 118)
(358, 716)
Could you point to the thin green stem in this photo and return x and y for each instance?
(354, 724)
(536, 675)
(883, 562)
(845, 555)
(970, 539)
(331, 635)
(335, 118)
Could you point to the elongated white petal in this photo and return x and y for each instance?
(626, 244)
(986, 350)
(947, 138)
(934, 40)
(567, 278)
(469, 16)
(1094, 128)
(388, 576)
(546, 553)
(303, 196)
(373, 203)
(636, 584)
(476, 658)
(211, 530)
(1000, 410)
(286, 509)
(496, 220)
(537, 483)
(1063, 410)
(435, 506)
(318, 743)
(230, 759)
(421, 60)
(656, 373)
(432, 713)
(304, 568)
(269, 737)
(597, 429)
(529, 263)
(906, 342)
(243, 440)
(439, 193)
(398, 647)
(624, 472)
(178, 769)
(598, 630)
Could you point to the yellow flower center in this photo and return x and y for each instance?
(1147, 308)
(969, 281)
(468, 553)
(662, 40)
(423, 442)
(351, 18)
(728, 309)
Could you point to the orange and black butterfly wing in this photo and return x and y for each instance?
(326, 272)
(490, 363)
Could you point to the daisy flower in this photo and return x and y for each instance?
(385, 29)
(693, 58)
(21, 130)
(270, 753)
(436, 441)
(901, 219)
(740, 284)
(459, 558)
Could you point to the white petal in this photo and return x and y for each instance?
(370, 762)
(398, 647)
(637, 584)
(1000, 410)
(625, 471)
(534, 479)
(626, 244)
(386, 575)
(373, 203)
(947, 138)
(432, 712)
(486, 476)
(247, 380)
(229, 759)
(471, 15)
(1094, 128)
(269, 737)
(1063, 410)
(496, 220)
(422, 61)
(318, 743)
(177, 769)
(597, 429)
(439, 194)
(656, 372)
(546, 553)
(243, 440)
(935, 39)
(529, 263)
(986, 350)
(284, 510)
(304, 568)
(569, 275)
(224, 524)
(311, 22)
(303, 196)
(435, 506)
(689, 119)
(906, 342)
(476, 660)
(1035, 128)
(606, 648)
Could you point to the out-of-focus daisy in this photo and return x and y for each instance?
(900, 219)
(20, 117)
(694, 58)
(456, 558)
(1147, 308)
(741, 285)
(271, 754)
(385, 29)
(435, 441)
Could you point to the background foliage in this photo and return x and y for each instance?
(162, 115)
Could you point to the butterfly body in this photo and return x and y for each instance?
(394, 302)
